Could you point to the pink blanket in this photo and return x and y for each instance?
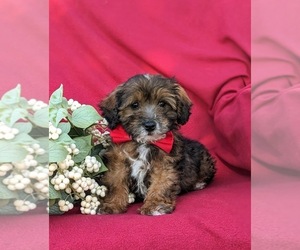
(97, 44)
(215, 218)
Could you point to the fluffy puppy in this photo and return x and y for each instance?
(148, 155)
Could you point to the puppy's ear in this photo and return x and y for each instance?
(110, 106)
(184, 105)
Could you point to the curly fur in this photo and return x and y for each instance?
(149, 106)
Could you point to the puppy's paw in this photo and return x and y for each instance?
(154, 209)
(106, 208)
(200, 185)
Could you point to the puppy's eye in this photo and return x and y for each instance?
(135, 105)
(162, 104)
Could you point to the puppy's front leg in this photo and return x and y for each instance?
(161, 195)
(116, 199)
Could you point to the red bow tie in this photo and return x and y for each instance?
(119, 135)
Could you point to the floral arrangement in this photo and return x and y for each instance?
(77, 138)
(23, 153)
(50, 155)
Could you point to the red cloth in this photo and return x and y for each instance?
(25, 60)
(275, 125)
(217, 217)
(24, 48)
(29, 231)
(96, 45)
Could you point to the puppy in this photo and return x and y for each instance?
(148, 155)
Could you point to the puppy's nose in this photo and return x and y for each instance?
(149, 125)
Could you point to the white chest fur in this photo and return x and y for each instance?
(139, 169)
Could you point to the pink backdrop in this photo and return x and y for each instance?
(24, 50)
(275, 125)
(96, 45)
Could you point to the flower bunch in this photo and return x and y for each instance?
(23, 153)
(51, 154)
(77, 137)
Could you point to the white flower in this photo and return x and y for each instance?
(16, 181)
(6, 132)
(75, 174)
(99, 190)
(54, 132)
(66, 163)
(65, 206)
(73, 104)
(36, 105)
(52, 168)
(72, 149)
(89, 205)
(4, 168)
(131, 198)
(36, 148)
(24, 206)
(60, 182)
(104, 122)
(91, 164)
(28, 162)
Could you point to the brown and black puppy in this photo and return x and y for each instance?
(148, 155)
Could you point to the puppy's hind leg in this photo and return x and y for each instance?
(207, 170)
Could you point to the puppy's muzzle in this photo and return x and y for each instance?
(149, 125)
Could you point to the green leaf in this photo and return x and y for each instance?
(5, 115)
(84, 116)
(53, 193)
(10, 152)
(25, 196)
(37, 132)
(67, 197)
(24, 139)
(57, 96)
(103, 168)
(76, 132)
(41, 118)
(2, 106)
(5, 193)
(44, 144)
(54, 209)
(52, 114)
(65, 127)
(84, 145)
(57, 152)
(51, 202)
(64, 104)
(64, 139)
(97, 150)
(17, 114)
(9, 209)
(23, 127)
(12, 96)
(61, 113)
(4, 202)
(23, 102)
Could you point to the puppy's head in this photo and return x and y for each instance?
(147, 106)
